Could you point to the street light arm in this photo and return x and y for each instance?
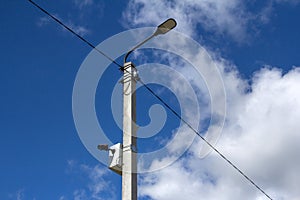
(137, 46)
(163, 28)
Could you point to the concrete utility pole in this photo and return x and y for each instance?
(123, 158)
(129, 167)
(129, 164)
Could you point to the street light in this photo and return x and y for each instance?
(129, 146)
(163, 28)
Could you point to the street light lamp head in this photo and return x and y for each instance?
(163, 28)
(166, 26)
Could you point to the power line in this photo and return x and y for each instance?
(198, 134)
(74, 33)
(158, 97)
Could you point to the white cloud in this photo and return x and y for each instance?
(83, 3)
(97, 186)
(229, 18)
(62, 198)
(221, 17)
(20, 194)
(79, 29)
(287, 1)
(265, 13)
(80, 194)
(261, 137)
(97, 183)
(43, 21)
(262, 133)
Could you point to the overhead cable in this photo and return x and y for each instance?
(155, 95)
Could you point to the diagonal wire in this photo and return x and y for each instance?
(207, 142)
(74, 33)
(158, 97)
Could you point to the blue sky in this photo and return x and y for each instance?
(255, 44)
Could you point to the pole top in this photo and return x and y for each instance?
(127, 65)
